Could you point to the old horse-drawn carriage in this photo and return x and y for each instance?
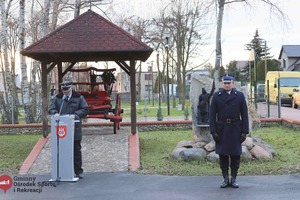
(96, 86)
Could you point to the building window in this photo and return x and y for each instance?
(148, 87)
(284, 63)
(148, 77)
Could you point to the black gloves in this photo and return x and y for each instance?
(243, 137)
(215, 137)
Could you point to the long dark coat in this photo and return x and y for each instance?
(223, 107)
(75, 106)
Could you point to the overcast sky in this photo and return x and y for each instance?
(239, 26)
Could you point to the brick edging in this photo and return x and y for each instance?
(134, 152)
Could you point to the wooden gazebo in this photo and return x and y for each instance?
(89, 37)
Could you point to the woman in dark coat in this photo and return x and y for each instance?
(229, 125)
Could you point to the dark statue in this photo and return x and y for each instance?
(203, 106)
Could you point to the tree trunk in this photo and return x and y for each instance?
(45, 26)
(77, 8)
(25, 87)
(218, 61)
(8, 75)
(55, 13)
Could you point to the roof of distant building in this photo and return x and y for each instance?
(290, 51)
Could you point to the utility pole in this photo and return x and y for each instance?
(266, 67)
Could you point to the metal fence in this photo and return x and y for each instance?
(269, 101)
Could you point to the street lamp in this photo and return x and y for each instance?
(265, 51)
(167, 82)
(253, 58)
(159, 113)
(150, 69)
(148, 87)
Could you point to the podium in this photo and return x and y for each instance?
(62, 148)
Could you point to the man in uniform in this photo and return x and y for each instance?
(72, 103)
(229, 125)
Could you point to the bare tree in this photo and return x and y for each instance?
(81, 4)
(184, 21)
(25, 86)
(11, 115)
(138, 28)
(12, 47)
(273, 7)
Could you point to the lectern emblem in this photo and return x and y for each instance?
(61, 131)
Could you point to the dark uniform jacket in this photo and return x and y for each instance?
(75, 106)
(229, 119)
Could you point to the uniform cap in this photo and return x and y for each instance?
(66, 85)
(227, 79)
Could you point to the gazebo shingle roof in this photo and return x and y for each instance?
(89, 37)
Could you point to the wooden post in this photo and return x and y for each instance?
(44, 99)
(133, 97)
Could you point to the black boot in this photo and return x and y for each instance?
(225, 182)
(233, 182)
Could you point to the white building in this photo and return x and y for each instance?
(289, 57)
(147, 83)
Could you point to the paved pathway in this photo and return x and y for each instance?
(102, 151)
(286, 112)
(129, 186)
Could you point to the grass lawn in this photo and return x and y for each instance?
(14, 150)
(155, 148)
(151, 111)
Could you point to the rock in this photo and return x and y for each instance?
(199, 144)
(193, 154)
(201, 133)
(252, 147)
(188, 154)
(248, 143)
(213, 157)
(258, 141)
(175, 153)
(210, 146)
(260, 153)
(246, 155)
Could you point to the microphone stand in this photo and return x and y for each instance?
(57, 146)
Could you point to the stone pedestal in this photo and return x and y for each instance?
(201, 133)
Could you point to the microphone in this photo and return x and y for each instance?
(64, 98)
